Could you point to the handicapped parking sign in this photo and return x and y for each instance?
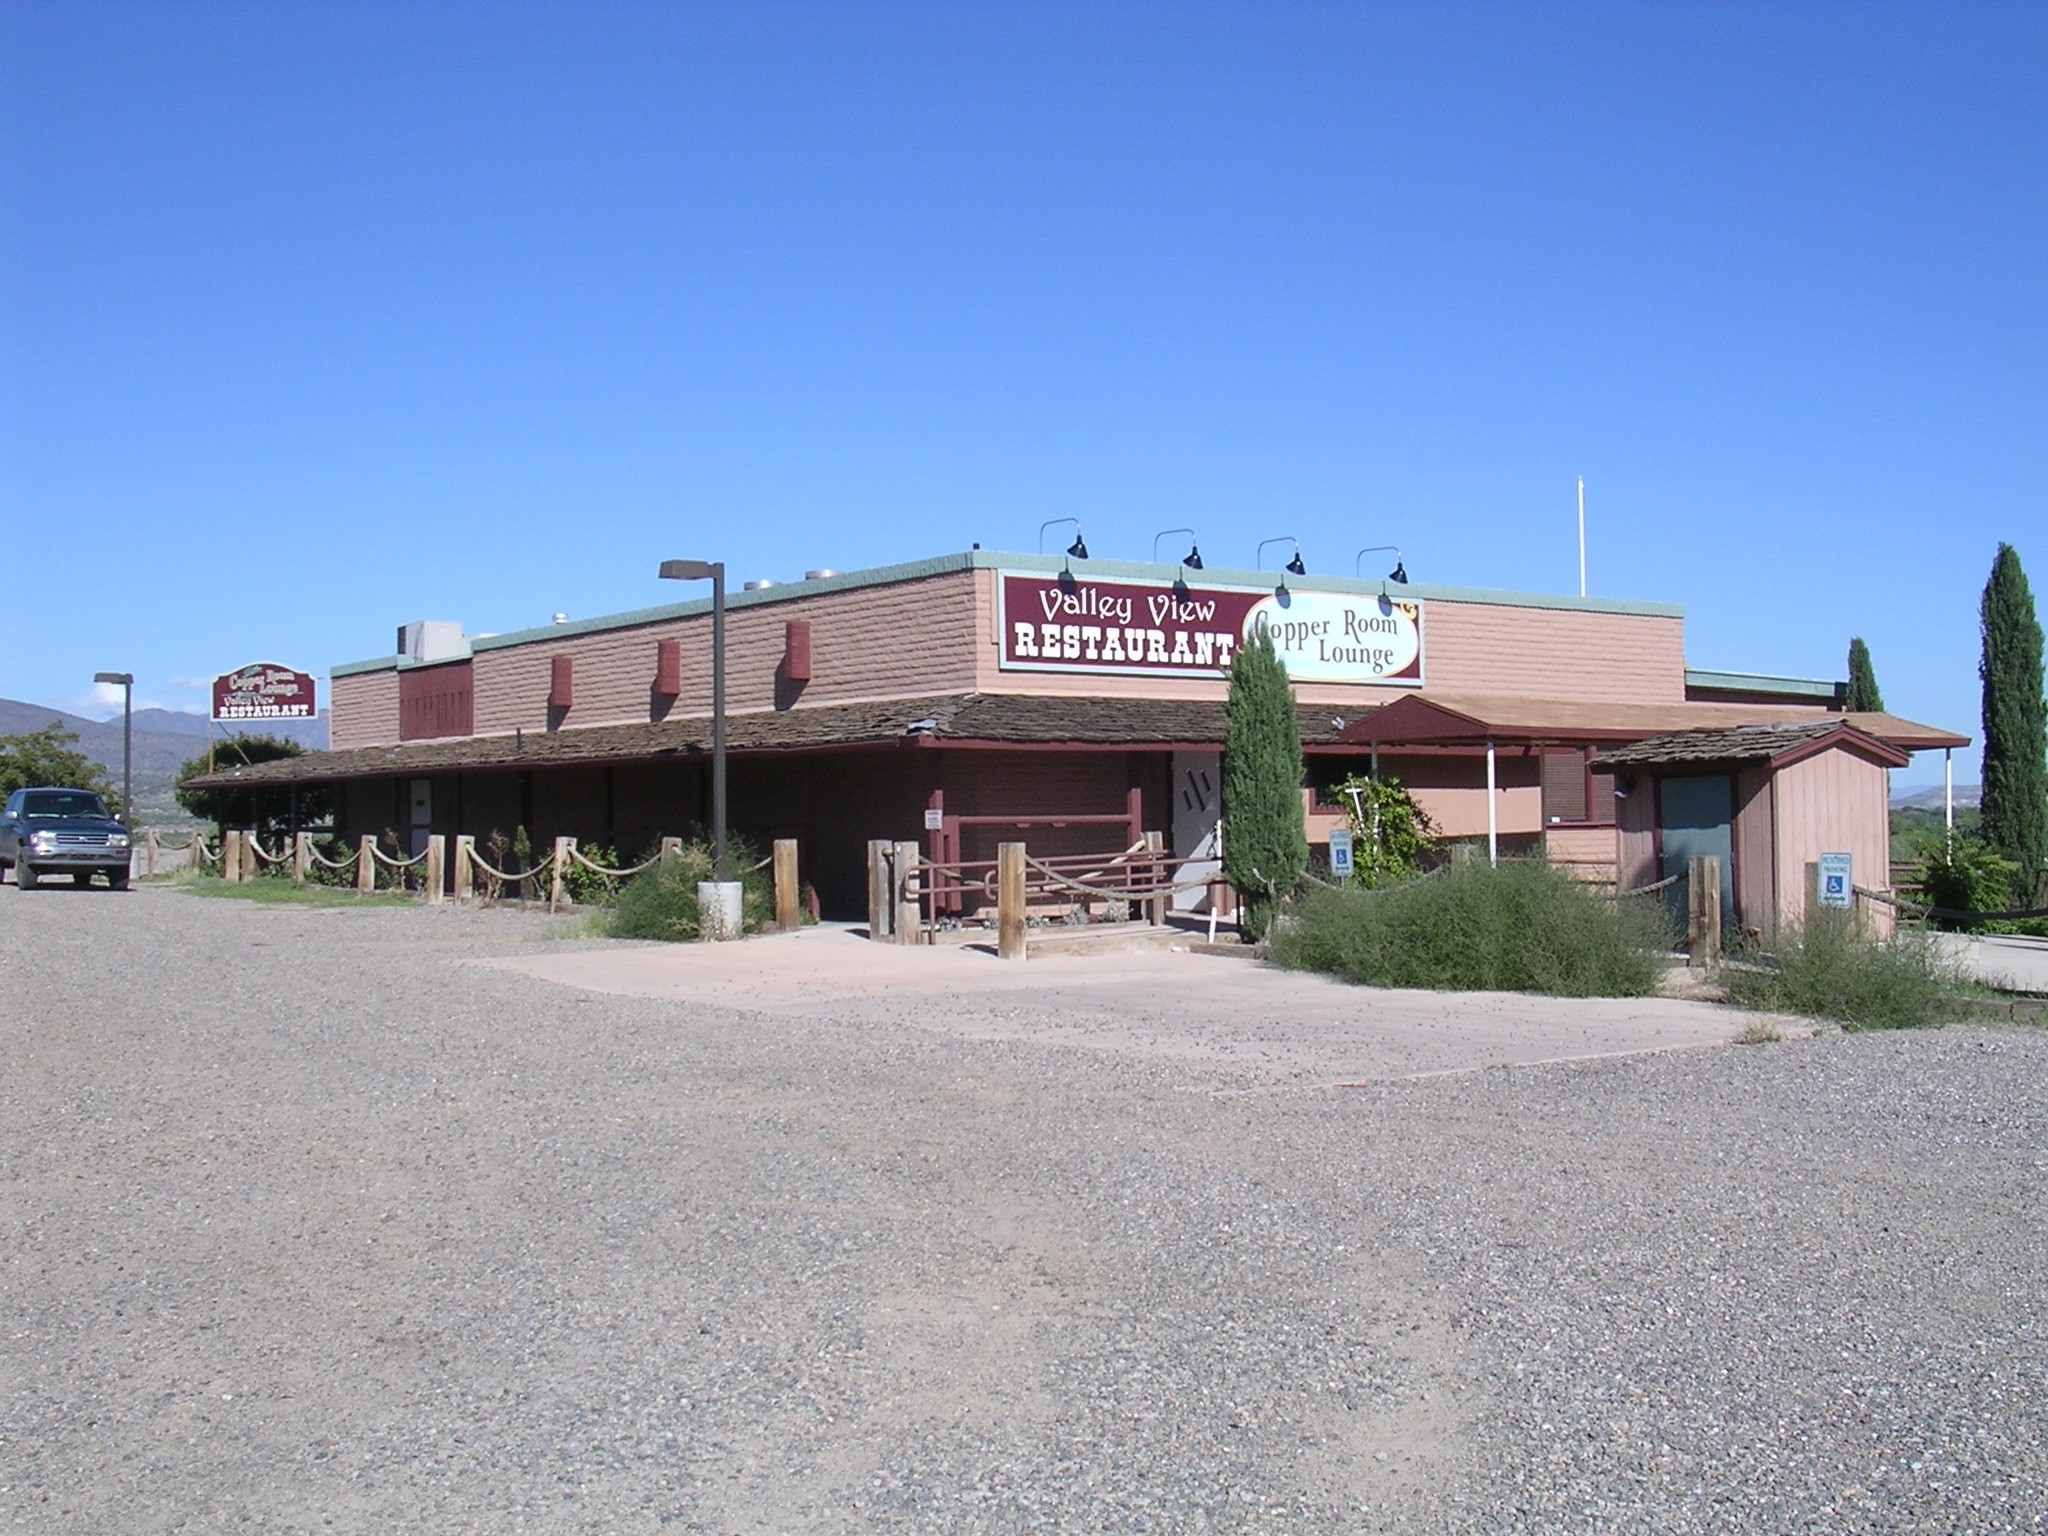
(1340, 852)
(1837, 880)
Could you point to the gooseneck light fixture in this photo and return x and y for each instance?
(1078, 550)
(1192, 559)
(714, 572)
(1294, 567)
(1398, 574)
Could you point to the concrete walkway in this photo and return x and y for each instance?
(2015, 963)
(1234, 1015)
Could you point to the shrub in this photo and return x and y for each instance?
(586, 887)
(1390, 832)
(1969, 876)
(662, 903)
(1833, 968)
(1521, 926)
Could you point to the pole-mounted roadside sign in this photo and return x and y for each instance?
(264, 690)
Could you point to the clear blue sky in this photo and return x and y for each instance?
(318, 318)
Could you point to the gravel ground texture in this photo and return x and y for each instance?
(310, 1226)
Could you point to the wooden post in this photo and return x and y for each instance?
(302, 856)
(1155, 906)
(366, 865)
(788, 917)
(149, 851)
(909, 922)
(250, 868)
(1703, 910)
(671, 848)
(1010, 900)
(558, 870)
(231, 855)
(881, 905)
(437, 853)
(465, 866)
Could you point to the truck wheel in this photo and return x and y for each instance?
(24, 876)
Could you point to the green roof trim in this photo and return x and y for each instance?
(1764, 682)
(994, 560)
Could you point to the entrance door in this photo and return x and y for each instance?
(1197, 806)
(1696, 819)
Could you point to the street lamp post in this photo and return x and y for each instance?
(127, 682)
(714, 572)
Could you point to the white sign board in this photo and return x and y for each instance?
(1340, 852)
(1837, 880)
(934, 820)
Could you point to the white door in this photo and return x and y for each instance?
(1197, 807)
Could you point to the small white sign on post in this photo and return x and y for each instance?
(934, 820)
(1340, 852)
(1837, 881)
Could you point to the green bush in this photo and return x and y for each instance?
(1969, 876)
(1521, 926)
(588, 888)
(1834, 969)
(1390, 832)
(662, 903)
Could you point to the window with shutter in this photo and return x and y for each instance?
(1564, 785)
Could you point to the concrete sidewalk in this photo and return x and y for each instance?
(1242, 1018)
(2010, 961)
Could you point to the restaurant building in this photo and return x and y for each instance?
(1075, 705)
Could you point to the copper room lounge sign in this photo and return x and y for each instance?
(1148, 629)
(264, 691)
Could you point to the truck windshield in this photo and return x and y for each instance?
(54, 804)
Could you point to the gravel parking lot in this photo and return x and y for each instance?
(311, 1226)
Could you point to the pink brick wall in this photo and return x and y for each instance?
(913, 637)
(363, 710)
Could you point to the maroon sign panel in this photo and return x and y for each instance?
(264, 691)
(1120, 626)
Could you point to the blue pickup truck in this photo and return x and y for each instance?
(62, 832)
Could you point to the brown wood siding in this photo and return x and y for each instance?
(435, 701)
(1832, 802)
(363, 710)
(914, 637)
(1635, 816)
(1755, 875)
(1477, 648)
(1591, 853)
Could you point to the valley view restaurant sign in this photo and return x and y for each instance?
(264, 691)
(1145, 629)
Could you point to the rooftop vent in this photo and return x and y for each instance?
(820, 574)
(757, 586)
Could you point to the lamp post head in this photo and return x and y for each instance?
(1079, 548)
(1399, 573)
(1295, 567)
(125, 679)
(691, 570)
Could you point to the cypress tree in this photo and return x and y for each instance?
(2014, 814)
(1863, 694)
(1265, 844)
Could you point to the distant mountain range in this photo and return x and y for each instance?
(164, 740)
(1930, 799)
